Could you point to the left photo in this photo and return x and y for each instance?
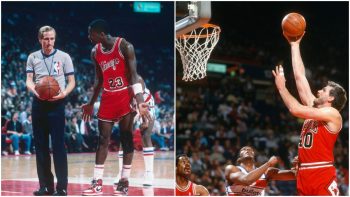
(87, 98)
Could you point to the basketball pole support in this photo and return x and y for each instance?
(199, 14)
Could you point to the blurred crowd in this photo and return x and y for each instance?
(155, 65)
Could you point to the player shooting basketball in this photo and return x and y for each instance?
(323, 122)
(115, 63)
(247, 180)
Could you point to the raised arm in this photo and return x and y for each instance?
(327, 114)
(88, 108)
(303, 85)
(234, 175)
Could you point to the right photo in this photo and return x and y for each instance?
(262, 98)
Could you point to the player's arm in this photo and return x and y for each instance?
(234, 175)
(327, 114)
(201, 191)
(281, 175)
(130, 59)
(88, 108)
(303, 86)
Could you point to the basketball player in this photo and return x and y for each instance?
(48, 116)
(247, 180)
(115, 64)
(185, 187)
(146, 131)
(323, 122)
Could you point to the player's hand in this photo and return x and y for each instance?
(273, 161)
(294, 40)
(280, 80)
(144, 112)
(61, 95)
(144, 125)
(295, 163)
(87, 111)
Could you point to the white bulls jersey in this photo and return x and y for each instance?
(255, 189)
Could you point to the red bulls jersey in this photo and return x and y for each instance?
(113, 67)
(316, 142)
(189, 190)
(255, 189)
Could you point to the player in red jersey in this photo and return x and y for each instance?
(316, 173)
(247, 180)
(115, 64)
(185, 187)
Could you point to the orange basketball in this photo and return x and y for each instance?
(47, 87)
(293, 25)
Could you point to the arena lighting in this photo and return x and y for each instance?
(217, 68)
(147, 7)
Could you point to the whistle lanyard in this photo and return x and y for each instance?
(47, 68)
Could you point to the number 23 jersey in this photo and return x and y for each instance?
(113, 67)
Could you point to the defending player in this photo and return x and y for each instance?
(185, 187)
(316, 174)
(146, 131)
(247, 180)
(115, 64)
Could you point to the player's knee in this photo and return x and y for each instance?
(103, 141)
(146, 135)
(127, 142)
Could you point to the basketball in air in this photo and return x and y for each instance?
(47, 87)
(293, 25)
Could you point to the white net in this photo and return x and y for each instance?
(195, 49)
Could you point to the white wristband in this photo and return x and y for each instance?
(137, 88)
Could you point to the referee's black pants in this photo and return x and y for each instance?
(48, 118)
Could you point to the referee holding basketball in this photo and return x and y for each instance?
(48, 116)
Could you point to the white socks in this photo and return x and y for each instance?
(148, 156)
(98, 171)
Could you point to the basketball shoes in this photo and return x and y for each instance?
(95, 188)
(122, 188)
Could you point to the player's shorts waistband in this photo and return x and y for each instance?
(117, 90)
(314, 165)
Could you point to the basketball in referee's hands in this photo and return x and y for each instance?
(293, 26)
(47, 87)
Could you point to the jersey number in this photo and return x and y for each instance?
(307, 140)
(117, 82)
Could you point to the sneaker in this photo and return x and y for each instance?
(60, 192)
(95, 188)
(16, 152)
(122, 188)
(27, 153)
(5, 153)
(116, 181)
(148, 179)
(164, 149)
(43, 191)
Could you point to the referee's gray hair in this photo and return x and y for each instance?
(43, 29)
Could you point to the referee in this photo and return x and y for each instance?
(48, 116)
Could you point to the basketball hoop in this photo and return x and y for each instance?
(195, 49)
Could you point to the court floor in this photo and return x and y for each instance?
(19, 176)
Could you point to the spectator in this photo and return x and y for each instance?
(16, 134)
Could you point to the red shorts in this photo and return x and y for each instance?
(115, 105)
(317, 182)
